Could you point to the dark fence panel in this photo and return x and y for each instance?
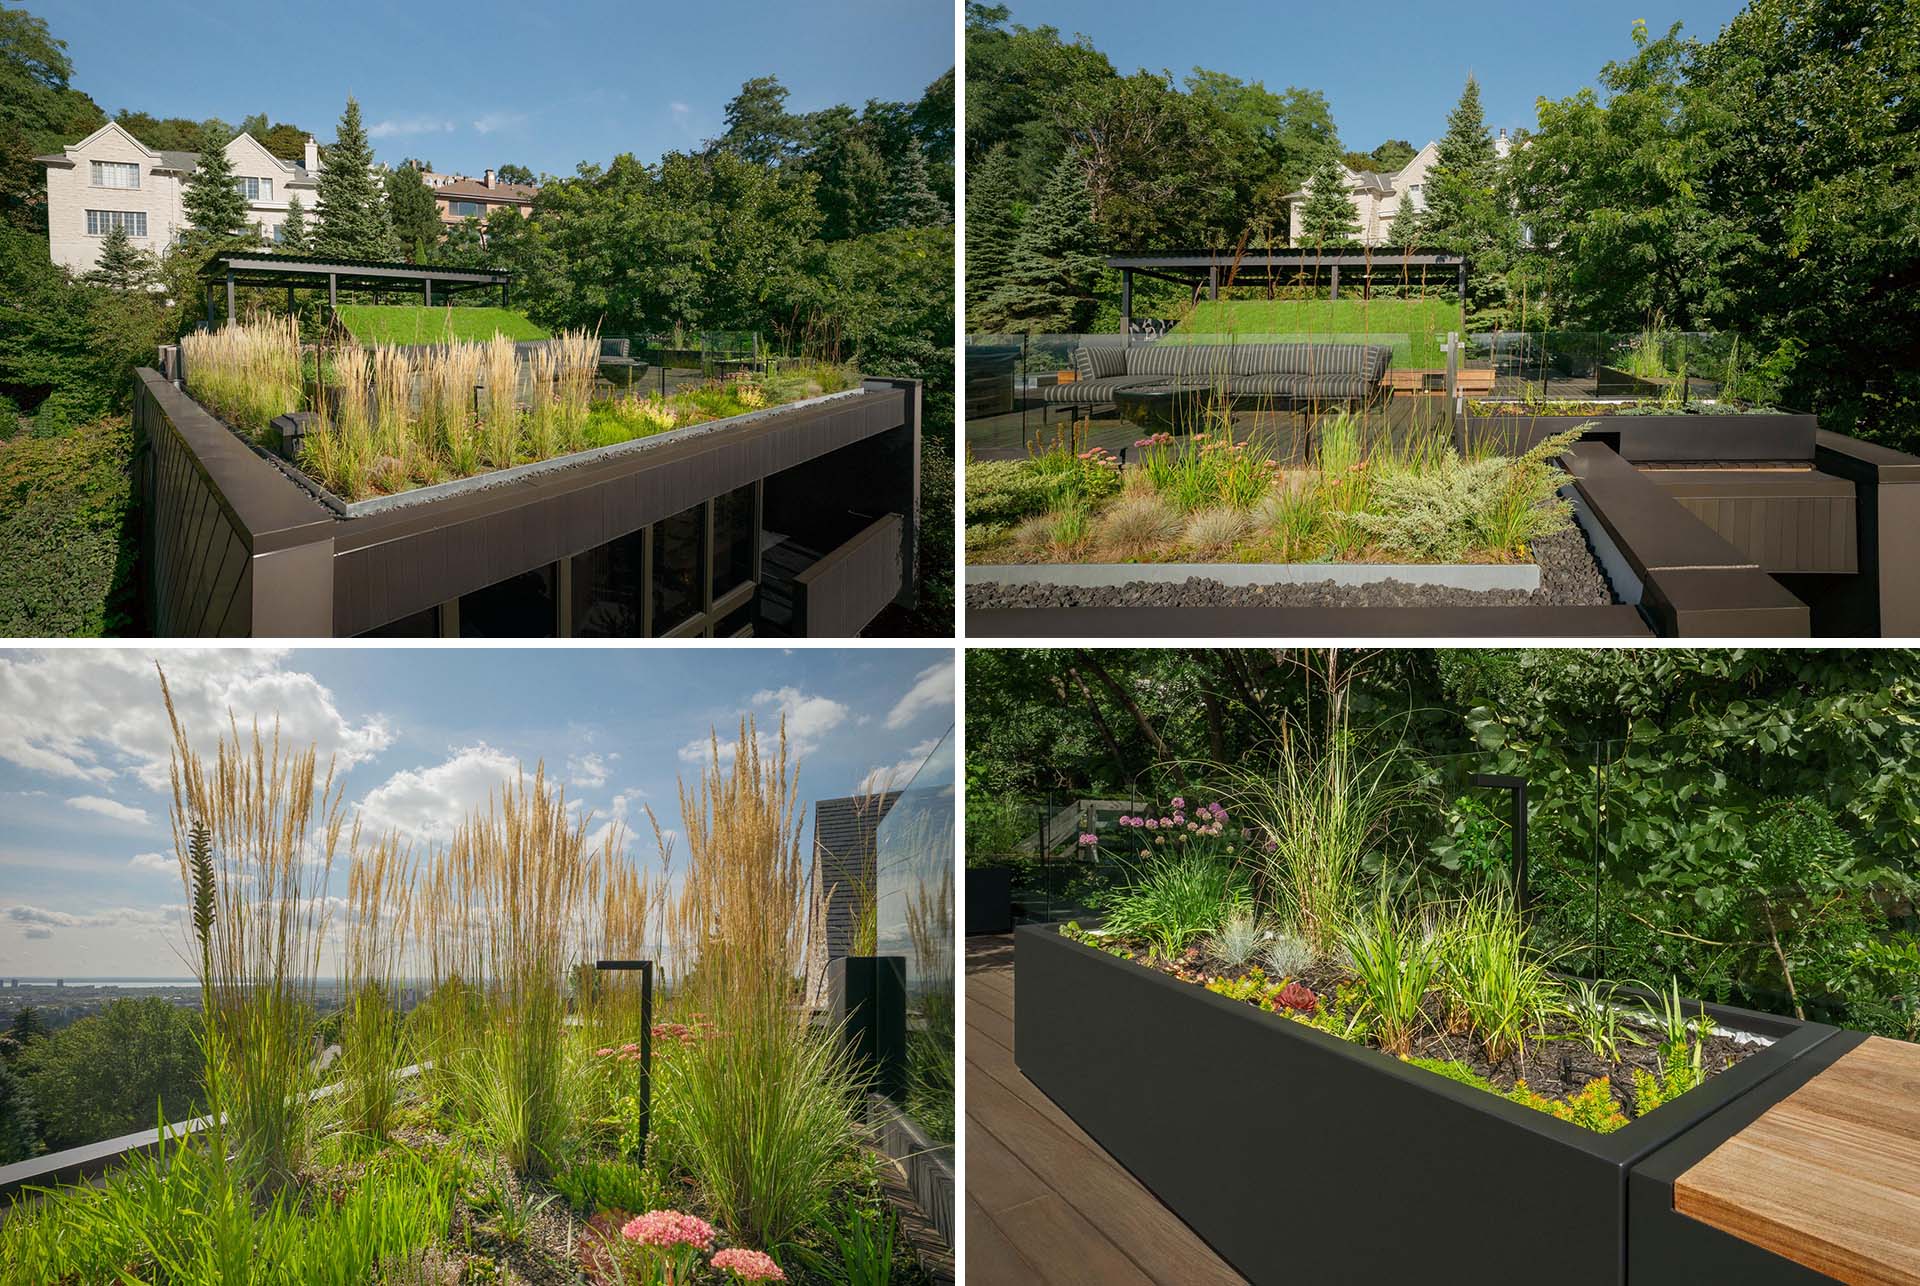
(850, 586)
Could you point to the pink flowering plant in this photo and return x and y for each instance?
(666, 1245)
(748, 1266)
(1186, 876)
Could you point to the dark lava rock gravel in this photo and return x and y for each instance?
(1569, 577)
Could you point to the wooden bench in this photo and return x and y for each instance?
(1471, 383)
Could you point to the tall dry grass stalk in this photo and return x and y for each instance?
(247, 372)
(625, 923)
(448, 374)
(257, 877)
(760, 1112)
(502, 421)
(543, 409)
(577, 353)
(341, 450)
(500, 923)
(380, 882)
(398, 456)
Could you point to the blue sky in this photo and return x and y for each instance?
(482, 82)
(1389, 69)
(88, 882)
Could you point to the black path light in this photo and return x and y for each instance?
(1517, 786)
(645, 968)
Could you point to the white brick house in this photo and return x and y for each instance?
(110, 177)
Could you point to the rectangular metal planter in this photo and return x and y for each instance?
(1300, 1157)
(1647, 439)
(1522, 577)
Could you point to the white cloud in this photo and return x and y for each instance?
(428, 803)
(154, 862)
(809, 719)
(884, 777)
(87, 715)
(39, 922)
(111, 809)
(932, 690)
(408, 126)
(494, 122)
(588, 772)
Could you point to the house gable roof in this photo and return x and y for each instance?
(69, 155)
(475, 190)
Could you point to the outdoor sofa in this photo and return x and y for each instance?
(1290, 376)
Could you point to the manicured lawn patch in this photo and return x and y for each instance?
(418, 324)
(1415, 327)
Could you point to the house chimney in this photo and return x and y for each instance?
(311, 156)
(488, 180)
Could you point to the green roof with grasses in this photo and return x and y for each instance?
(1416, 328)
(419, 324)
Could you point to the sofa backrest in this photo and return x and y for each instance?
(1224, 361)
(1181, 361)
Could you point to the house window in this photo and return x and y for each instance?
(255, 189)
(116, 174)
(101, 222)
(466, 209)
(1417, 192)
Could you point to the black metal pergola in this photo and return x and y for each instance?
(259, 269)
(1216, 268)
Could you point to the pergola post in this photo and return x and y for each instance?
(1336, 282)
(209, 305)
(426, 291)
(503, 294)
(230, 309)
(1461, 286)
(289, 299)
(1213, 282)
(1126, 302)
(333, 292)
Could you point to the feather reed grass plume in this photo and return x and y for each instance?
(247, 372)
(760, 1111)
(543, 410)
(380, 882)
(501, 425)
(500, 924)
(258, 825)
(398, 456)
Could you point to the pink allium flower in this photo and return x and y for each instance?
(1088, 839)
(666, 1229)
(749, 1265)
(1178, 817)
(1152, 825)
(1178, 801)
(1166, 821)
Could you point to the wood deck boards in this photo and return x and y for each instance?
(1829, 1177)
(1044, 1202)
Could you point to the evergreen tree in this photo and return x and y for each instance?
(123, 265)
(1050, 280)
(410, 208)
(19, 1127)
(1468, 211)
(352, 206)
(215, 207)
(993, 187)
(295, 236)
(27, 1027)
(1327, 220)
(911, 202)
(1406, 227)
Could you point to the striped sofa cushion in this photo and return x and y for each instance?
(1100, 361)
(1181, 361)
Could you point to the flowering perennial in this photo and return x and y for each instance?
(749, 1265)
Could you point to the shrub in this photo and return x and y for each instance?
(1005, 491)
(1443, 511)
(67, 534)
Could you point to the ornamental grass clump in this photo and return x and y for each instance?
(256, 827)
(1396, 963)
(1173, 898)
(379, 909)
(1490, 981)
(761, 1115)
(246, 372)
(500, 426)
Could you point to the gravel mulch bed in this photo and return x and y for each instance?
(1569, 577)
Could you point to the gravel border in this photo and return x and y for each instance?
(1569, 577)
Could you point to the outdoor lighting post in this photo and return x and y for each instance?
(645, 968)
(1517, 786)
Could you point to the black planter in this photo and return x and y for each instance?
(867, 999)
(1662, 438)
(1300, 1157)
(989, 899)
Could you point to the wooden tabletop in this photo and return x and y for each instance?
(1828, 1177)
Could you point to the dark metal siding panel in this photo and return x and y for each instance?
(196, 555)
(853, 584)
(1783, 533)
